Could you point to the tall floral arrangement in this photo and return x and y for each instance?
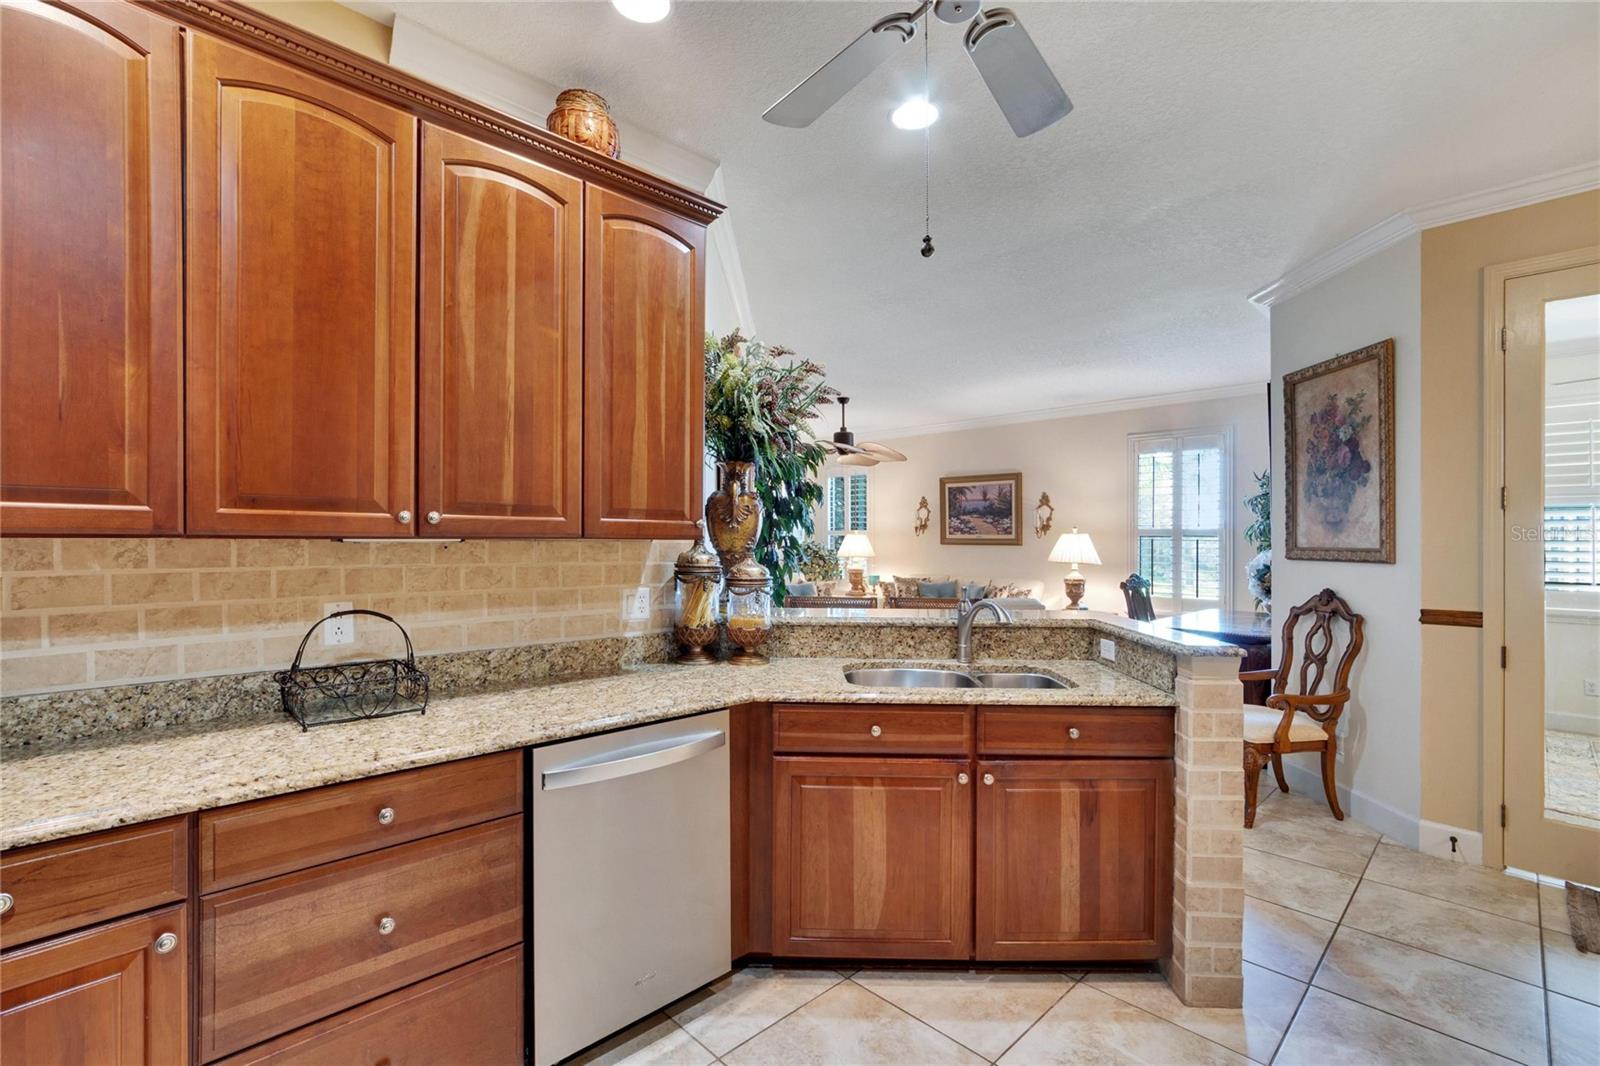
(760, 401)
(1258, 571)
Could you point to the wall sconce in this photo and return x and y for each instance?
(924, 514)
(1043, 515)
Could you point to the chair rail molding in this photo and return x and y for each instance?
(1398, 227)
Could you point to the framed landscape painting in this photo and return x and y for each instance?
(1339, 459)
(980, 509)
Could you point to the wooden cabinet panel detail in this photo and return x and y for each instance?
(501, 422)
(108, 996)
(301, 361)
(1076, 732)
(644, 378)
(91, 357)
(1074, 859)
(872, 858)
(865, 730)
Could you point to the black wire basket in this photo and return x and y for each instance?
(349, 692)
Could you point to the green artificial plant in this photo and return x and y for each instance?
(759, 405)
(1259, 531)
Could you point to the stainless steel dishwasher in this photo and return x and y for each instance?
(630, 846)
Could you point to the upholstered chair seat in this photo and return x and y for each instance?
(1261, 726)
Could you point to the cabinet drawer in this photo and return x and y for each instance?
(872, 730)
(1074, 731)
(72, 883)
(251, 841)
(284, 952)
(471, 1016)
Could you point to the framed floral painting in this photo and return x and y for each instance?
(980, 509)
(1339, 460)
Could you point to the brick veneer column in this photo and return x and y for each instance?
(1205, 968)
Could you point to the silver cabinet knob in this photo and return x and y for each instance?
(434, 518)
(404, 518)
(988, 779)
(962, 779)
(385, 816)
(385, 925)
(877, 730)
(5, 902)
(165, 943)
(1073, 733)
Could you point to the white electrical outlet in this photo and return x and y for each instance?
(340, 630)
(636, 604)
(1108, 650)
(1591, 687)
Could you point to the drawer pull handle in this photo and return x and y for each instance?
(988, 779)
(386, 816)
(962, 779)
(1072, 733)
(404, 518)
(877, 730)
(6, 902)
(434, 518)
(165, 943)
(385, 925)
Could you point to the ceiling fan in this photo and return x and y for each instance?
(1017, 75)
(850, 453)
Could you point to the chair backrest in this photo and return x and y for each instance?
(1136, 594)
(1314, 621)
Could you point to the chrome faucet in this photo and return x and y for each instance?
(966, 613)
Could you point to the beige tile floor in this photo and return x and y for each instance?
(1356, 951)
(1572, 774)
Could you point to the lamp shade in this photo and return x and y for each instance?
(1075, 548)
(856, 546)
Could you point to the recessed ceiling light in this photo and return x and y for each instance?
(915, 114)
(643, 10)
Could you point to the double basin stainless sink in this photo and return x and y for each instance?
(932, 677)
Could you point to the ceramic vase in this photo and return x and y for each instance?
(733, 513)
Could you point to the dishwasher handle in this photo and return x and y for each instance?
(630, 761)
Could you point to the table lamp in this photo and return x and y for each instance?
(856, 549)
(1075, 548)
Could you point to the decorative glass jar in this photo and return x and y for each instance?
(749, 620)
(696, 601)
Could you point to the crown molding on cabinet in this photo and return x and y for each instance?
(1398, 227)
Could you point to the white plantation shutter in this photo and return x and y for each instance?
(1572, 483)
(1180, 512)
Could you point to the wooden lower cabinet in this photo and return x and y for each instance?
(1074, 859)
(115, 995)
(872, 858)
(470, 1016)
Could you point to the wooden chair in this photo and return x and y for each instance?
(1136, 594)
(1305, 720)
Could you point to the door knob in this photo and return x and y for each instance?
(988, 779)
(386, 816)
(1073, 733)
(5, 902)
(404, 518)
(165, 943)
(385, 925)
(877, 731)
(962, 779)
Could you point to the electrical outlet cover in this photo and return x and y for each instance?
(636, 604)
(1591, 687)
(340, 630)
(1108, 650)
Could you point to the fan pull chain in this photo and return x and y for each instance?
(927, 146)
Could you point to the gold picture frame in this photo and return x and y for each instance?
(980, 509)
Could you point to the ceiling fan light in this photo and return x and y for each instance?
(916, 113)
(643, 10)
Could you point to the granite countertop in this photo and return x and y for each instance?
(89, 785)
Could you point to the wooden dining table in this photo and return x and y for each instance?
(1246, 629)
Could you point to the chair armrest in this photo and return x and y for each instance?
(1258, 675)
(1290, 700)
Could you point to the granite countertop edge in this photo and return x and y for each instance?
(84, 786)
(1160, 636)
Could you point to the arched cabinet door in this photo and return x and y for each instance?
(644, 381)
(501, 414)
(91, 357)
(301, 303)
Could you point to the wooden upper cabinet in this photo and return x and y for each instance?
(644, 379)
(501, 415)
(91, 359)
(301, 302)
(1074, 859)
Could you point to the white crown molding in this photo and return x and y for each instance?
(723, 239)
(1398, 227)
(1078, 410)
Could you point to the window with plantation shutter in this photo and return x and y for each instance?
(845, 498)
(1571, 484)
(1180, 517)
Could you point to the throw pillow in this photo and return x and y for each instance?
(941, 590)
(802, 588)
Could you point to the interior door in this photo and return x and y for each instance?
(301, 302)
(644, 377)
(1552, 587)
(501, 417)
(91, 343)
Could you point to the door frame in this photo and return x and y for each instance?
(1492, 523)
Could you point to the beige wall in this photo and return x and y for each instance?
(1083, 464)
(1453, 259)
(332, 22)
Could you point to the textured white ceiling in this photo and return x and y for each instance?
(1212, 146)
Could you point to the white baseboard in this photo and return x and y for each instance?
(1392, 822)
(1435, 838)
(1566, 722)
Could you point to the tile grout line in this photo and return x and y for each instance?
(841, 980)
(1202, 1036)
(895, 1006)
(1073, 982)
(1544, 976)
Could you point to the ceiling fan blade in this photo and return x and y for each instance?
(1017, 75)
(882, 452)
(836, 448)
(858, 459)
(806, 102)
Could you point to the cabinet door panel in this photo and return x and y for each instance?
(644, 378)
(91, 359)
(872, 858)
(1074, 859)
(502, 347)
(301, 369)
(105, 996)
